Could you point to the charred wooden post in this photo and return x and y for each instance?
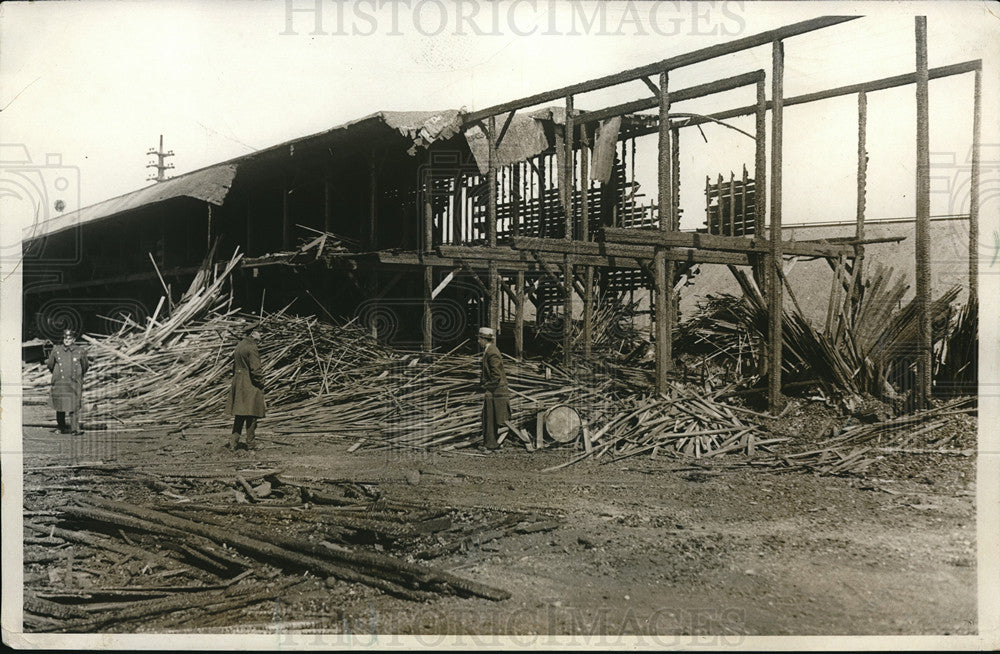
(588, 280)
(760, 178)
(732, 203)
(428, 317)
(491, 222)
(566, 183)
(923, 190)
(774, 282)
(708, 204)
(249, 230)
(372, 203)
(286, 217)
(328, 203)
(977, 110)
(661, 282)
(720, 218)
(675, 218)
(743, 202)
(208, 227)
(859, 232)
(456, 208)
(519, 317)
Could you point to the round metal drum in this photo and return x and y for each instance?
(562, 423)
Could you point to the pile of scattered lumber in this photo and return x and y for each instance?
(867, 345)
(686, 422)
(957, 364)
(184, 545)
(319, 377)
(856, 447)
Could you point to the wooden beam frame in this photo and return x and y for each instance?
(678, 61)
(882, 84)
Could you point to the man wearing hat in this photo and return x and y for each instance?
(493, 380)
(68, 363)
(246, 395)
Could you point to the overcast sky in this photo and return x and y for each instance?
(96, 83)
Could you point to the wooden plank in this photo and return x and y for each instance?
(603, 253)
(698, 91)
(757, 243)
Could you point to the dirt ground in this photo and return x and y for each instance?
(656, 548)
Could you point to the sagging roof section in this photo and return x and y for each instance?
(208, 184)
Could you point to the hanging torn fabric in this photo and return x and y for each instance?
(605, 138)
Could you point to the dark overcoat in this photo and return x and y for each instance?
(493, 379)
(246, 396)
(68, 365)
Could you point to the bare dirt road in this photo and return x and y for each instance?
(657, 548)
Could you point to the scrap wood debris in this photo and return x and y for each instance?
(684, 422)
(173, 546)
(339, 379)
(864, 348)
(856, 446)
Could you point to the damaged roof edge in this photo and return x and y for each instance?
(209, 184)
(212, 183)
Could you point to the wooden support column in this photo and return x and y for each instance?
(774, 260)
(732, 203)
(673, 308)
(977, 110)
(428, 216)
(859, 231)
(491, 222)
(566, 185)
(286, 218)
(760, 179)
(372, 203)
(328, 203)
(923, 181)
(519, 317)
(664, 355)
(588, 279)
(208, 227)
(249, 242)
(515, 199)
(456, 209)
(743, 203)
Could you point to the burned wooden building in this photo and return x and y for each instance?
(426, 225)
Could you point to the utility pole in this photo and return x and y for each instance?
(159, 165)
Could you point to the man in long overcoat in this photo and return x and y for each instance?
(246, 395)
(68, 363)
(493, 380)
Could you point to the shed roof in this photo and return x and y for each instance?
(212, 184)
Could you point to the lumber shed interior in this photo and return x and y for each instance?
(427, 225)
